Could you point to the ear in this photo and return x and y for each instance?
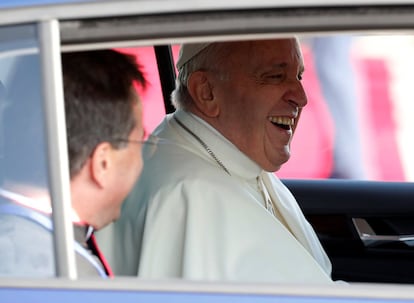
(200, 89)
(101, 163)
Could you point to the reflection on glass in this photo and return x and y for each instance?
(23, 160)
(358, 121)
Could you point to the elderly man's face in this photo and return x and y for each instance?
(260, 97)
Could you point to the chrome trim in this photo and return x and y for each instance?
(59, 179)
(212, 25)
(97, 9)
(297, 290)
(370, 238)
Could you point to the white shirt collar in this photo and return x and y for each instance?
(40, 205)
(232, 158)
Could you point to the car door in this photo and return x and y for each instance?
(366, 227)
(332, 206)
(363, 210)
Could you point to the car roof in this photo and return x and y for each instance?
(18, 11)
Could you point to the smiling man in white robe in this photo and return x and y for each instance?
(208, 206)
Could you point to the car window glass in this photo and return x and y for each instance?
(151, 96)
(22, 139)
(357, 122)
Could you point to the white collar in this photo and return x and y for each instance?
(231, 157)
(40, 205)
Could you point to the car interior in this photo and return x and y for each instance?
(366, 225)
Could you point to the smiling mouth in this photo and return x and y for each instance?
(282, 122)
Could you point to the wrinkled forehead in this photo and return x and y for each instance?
(261, 52)
(280, 48)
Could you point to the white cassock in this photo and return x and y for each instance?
(188, 218)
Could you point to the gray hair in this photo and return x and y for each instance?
(208, 58)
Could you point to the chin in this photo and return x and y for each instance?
(278, 164)
(271, 167)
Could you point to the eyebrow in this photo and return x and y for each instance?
(283, 65)
(279, 65)
(265, 68)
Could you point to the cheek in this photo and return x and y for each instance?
(136, 165)
(246, 119)
(131, 167)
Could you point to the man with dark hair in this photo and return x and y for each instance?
(105, 132)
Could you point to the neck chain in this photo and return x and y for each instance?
(203, 144)
(262, 188)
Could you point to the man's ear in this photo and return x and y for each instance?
(100, 164)
(201, 91)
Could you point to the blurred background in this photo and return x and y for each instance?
(359, 121)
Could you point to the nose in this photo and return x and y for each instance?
(296, 94)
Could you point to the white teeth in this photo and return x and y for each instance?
(282, 120)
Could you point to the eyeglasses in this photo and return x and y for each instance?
(142, 142)
(152, 140)
(152, 143)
